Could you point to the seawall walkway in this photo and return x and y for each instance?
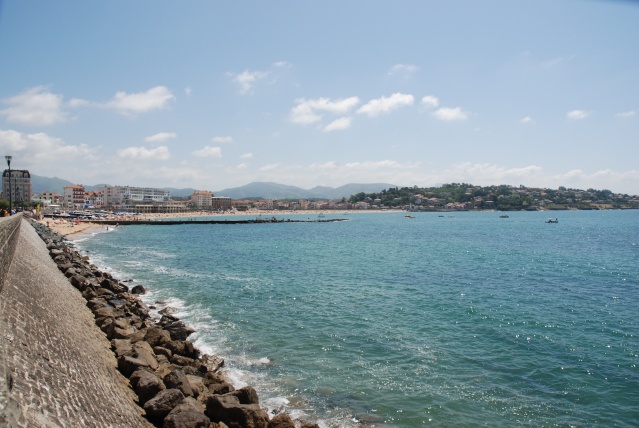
(56, 366)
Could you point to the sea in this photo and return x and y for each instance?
(446, 319)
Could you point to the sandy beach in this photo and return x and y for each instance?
(69, 228)
(66, 228)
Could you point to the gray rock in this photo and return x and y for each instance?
(228, 409)
(211, 363)
(122, 347)
(281, 420)
(179, 330)
(146, 385)
(142, 350)
(246, 395)
(178, 380)
(127, 365)
(158, 407)
(187, 419)
(157, 336)
(138, 289)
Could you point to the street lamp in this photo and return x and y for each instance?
(8, 158)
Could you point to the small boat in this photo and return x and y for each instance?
(409, 216)
(504, 216)
(552, 220)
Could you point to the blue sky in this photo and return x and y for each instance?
(218, 94)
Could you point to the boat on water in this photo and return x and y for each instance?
(409, 216)
(504, 216)
(552, 220)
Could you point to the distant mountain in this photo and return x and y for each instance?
(265, 190)
(46, 184)
(269, 190)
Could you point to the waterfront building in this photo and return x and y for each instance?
(202, 199)
(73, 197)
(140, 199)
(51, 197)
(220, 203)
(94, 199)
(20, 190)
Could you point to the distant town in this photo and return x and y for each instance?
(17, 194)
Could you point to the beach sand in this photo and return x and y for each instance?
(66, 228)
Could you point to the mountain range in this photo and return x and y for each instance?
(266, 190)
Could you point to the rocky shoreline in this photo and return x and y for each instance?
(176, 385)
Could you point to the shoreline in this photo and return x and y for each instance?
(155, 354)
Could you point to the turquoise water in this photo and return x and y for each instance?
(446, 319)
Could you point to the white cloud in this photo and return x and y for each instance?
(527, 120)
(404, 70)
(31, 147)
(246, 80)
(36, 106)
(577, 114)
(430, 101)
(271, 167)
(141, 102)
(241, 166)
(338, 124)
(77, 102)
(188, 90)
(246, 156)
(208, 152)
(309, 111)
(386, 104)
(488, 173)
(448, 114)
(626, 114)
(226, 139)
(160, 137)
(281, 64)
(144, 153)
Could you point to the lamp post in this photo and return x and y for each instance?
(8, 158)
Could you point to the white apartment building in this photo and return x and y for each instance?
(73, 197)
(202, 199)
(127, 195)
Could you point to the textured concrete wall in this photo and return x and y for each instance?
(56, 364)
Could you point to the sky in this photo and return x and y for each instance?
(218, 94)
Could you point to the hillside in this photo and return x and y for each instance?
(265, 190)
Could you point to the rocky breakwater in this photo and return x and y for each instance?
(175, 384)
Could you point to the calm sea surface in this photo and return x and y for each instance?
(446, 319)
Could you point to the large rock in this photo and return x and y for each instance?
(190, 413)
(282, 420)
(187, 419)
(146, 385)
(211, 363)
(128, 365)
(179, 330)
(114, 286)
(142, 350)
(246, 395)
(184, 348)
(228, 409)
(158, 407)
(121, 347)
(157, 336)
(178, 380)
(138, 289)
(217, 384)
(197, 385)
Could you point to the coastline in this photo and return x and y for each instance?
(155, 354)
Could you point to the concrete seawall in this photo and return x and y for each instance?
(56, 366)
